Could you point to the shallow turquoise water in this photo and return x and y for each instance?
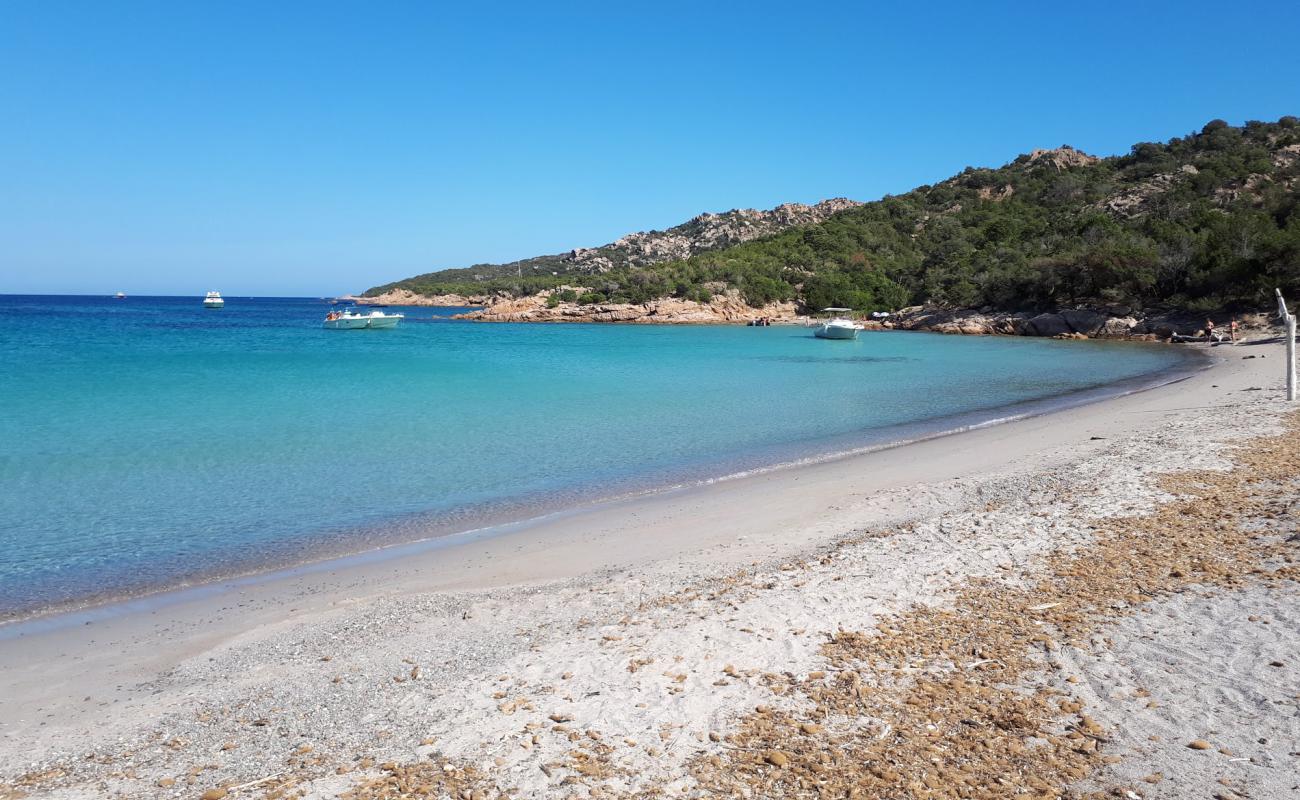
(148, 441)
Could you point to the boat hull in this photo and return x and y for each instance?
(351, 323)
(345, 324)
(211, 304)
(835, 332)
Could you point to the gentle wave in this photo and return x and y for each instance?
(176, 447)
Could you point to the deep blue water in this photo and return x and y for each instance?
(148, 441)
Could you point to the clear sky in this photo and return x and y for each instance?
(320, 147)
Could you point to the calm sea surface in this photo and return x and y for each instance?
(148, 442)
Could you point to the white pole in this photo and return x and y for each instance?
(1290, 357)
(1289, 320)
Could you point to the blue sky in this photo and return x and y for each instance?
(316, 148)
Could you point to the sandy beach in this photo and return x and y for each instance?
(1099, 602)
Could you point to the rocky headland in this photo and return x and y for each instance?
(723, 308)
(405, 297)
(1106, 246)
(701, 234)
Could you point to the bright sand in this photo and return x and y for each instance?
(602, 647)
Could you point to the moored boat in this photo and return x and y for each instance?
(213, 300)
(837, 327)
(351, 319)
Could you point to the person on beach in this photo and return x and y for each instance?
(1209, 330)
(1232, 329)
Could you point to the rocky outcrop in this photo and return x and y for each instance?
(701, 234)
(405, 297)
(1168, 324)
(1062, 158)
(1070, 323)
(1048, 325)
(964, 321)
(1112, 321)
(1085, 321)
(668, 311)
(1109, 322)
(1117, 328)
(996, 194)
(1137, 200)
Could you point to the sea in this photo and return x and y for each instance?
(149, 443)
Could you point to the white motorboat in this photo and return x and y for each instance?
(351, 319)
(213, 300)
(837, 327)
(120, 296)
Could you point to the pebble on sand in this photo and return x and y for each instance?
(776, 758)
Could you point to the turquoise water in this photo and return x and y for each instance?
(148, 442)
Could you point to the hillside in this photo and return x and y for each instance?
(1207, 221)
(702, 234)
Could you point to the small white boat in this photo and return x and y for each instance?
(120, 296)
(837, 327)
(213, 300)
(351, 319)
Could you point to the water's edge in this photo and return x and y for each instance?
(394, 539)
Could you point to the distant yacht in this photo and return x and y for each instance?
(120, 296)
(837, 327)
(213, 300)
(351, 319)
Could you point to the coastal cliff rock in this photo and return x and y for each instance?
(1117, 327)
(961, 321)
(1110, 322)
(405, 297)
(668, 311)
(1049, 325)
(1084, 321)
(1071, 323)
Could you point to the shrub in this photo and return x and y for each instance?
(699, 294)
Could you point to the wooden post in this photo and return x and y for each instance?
(1288, 320)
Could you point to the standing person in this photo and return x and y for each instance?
(1232, 329)
(1209, 330)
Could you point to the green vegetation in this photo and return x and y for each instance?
(1210, 220)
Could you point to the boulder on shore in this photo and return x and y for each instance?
(1117, 328)
(1048, 325)
(1084, 321)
